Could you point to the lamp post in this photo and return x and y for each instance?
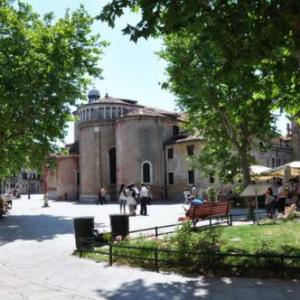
(46, 202)
(29, 188)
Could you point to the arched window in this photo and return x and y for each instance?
(146, 172)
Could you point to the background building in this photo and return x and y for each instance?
(26, 181)
(118, 141)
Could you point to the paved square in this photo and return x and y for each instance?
(36, 262)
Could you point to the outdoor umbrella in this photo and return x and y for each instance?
(281, 171)
(256, 172)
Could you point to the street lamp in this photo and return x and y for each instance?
(46, 202)
(29, 189)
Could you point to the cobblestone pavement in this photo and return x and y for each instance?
(36, 263)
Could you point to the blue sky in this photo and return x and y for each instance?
(130, 70)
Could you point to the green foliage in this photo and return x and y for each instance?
(211, 194)
(199, 251)
(46, 67)
(222, 106)
(277, 18)
(141, 257)
(63, 151)
(230, 63)
(106, 236)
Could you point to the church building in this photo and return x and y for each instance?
(119, 141)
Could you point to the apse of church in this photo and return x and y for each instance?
(121, 142)
(118, 141)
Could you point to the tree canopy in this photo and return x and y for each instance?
(230, 109)
(247, 31)
(229, 64)
(45, 67)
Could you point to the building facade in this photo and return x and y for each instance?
(118, 141)
(27, 181)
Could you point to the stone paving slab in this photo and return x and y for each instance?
(36, 262)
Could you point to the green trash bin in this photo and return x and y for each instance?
(83, 228)
(119, 225)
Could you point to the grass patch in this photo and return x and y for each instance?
(279, 238)
(209, 248)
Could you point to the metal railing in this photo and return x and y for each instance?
(219, 220)
(203, 260)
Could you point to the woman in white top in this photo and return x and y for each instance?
(122, 199)
(131, 200)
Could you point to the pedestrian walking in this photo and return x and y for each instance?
(136, 195)
(281, 195)
(101, 196)
(194, 191)
(122, 199)
(131, 200)
(269, 203)
(144, 197)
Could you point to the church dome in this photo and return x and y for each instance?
(93, 95)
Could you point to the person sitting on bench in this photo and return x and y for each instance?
(196, 201)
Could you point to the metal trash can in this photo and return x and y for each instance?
(83, 228)
(119, 225)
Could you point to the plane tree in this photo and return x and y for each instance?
(230, 64)
(45, 67)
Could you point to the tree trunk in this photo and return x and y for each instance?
(247, 179)
(245, 168)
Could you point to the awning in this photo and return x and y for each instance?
(256, 172)
(253, 190)
(258, 169)
(294, 167)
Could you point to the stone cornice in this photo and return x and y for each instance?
(144, 116)
(93, 123)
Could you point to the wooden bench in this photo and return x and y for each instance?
(209, 211)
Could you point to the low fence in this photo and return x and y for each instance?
(202, 262)
(218, 221)
(157, 229)
(157, 258)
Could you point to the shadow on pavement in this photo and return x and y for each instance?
(167, 290)
(33, 227)
(205, 288)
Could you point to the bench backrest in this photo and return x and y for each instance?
(200, 211)
(220, 208)
(209, 209)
